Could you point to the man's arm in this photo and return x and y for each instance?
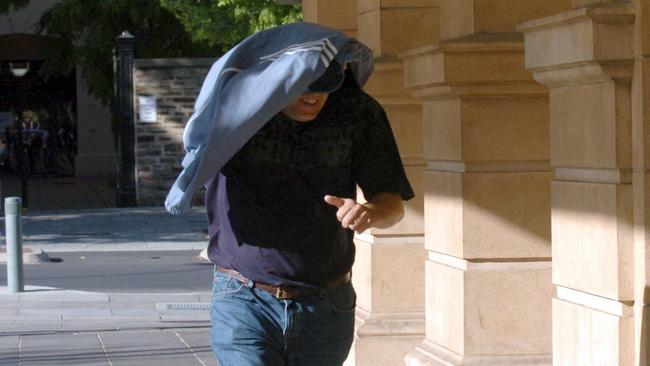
(382, 211)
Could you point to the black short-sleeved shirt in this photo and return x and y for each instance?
(267, 217)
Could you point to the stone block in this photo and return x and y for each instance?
(387, 81)
(585, 34)
(641, 108)
(584, 336)
(593, 238)
(507, 215)
(490, 65)
(389, 31)
(443, 210)
(406, 123)
(464, 17)
(369, 30)
(488, 215)
(337, 14)
(489, 309)
(381, 271)
(445, 306)
(373, 351)
(367, 5)
(500, 129)
(441, 129)
(591, 126)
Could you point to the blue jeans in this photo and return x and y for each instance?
(251, 327)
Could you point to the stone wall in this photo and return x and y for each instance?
(175, 83)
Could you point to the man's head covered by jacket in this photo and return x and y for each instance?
(251, 83)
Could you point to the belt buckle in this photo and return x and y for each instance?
(280, 293)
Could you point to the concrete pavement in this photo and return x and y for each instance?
(139, 228)
(52, 326)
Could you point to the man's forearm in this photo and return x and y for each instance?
(387, 209)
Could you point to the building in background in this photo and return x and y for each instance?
(59, 101)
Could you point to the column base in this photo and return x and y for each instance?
(430, 354)
(384, 338)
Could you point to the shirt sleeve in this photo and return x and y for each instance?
(377, 165)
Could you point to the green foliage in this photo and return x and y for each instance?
(83, 33)
(223, 23)
(7, 5)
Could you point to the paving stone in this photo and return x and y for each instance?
(86, 313)
(117, 298)
(85, 325)
(37, 312)
(64, 349)
(9, 350)
(139, 324)
(206, 297)
(148, 305)
(6, 312)
(149, 314)
(153, 348)
(7, 326)
(187, 324)
(86, 305)
(185, 315)
(63, 296)
(38, 305)
(30, 325)
(199, 342)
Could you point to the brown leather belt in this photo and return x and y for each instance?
(287, 292)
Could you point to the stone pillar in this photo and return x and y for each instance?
(388, 273)
(641, 181)
(487, 189)
(586, 58)
(337, 14)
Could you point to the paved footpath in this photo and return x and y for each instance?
(51, 326)
(48, 326)
(140, 228)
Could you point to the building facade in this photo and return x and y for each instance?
(523, 127)
(19, 43)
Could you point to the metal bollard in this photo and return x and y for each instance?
(14, 235)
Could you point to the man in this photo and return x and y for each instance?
(282, 213)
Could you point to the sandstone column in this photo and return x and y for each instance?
(389, 273)
(641, 180)
(487, 194)
(586, 58)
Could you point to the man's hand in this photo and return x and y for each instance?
(351, 214)
(384, 210)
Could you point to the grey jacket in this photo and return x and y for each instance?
(250, 84)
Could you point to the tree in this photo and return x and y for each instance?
(82, 32)
(223, 23)
(8, 5)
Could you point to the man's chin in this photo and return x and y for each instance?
(305, 118)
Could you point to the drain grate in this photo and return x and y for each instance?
(188, 306)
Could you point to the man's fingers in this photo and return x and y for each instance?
(362, 223)
(353, 215)
(343, 210)
(334, 201)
